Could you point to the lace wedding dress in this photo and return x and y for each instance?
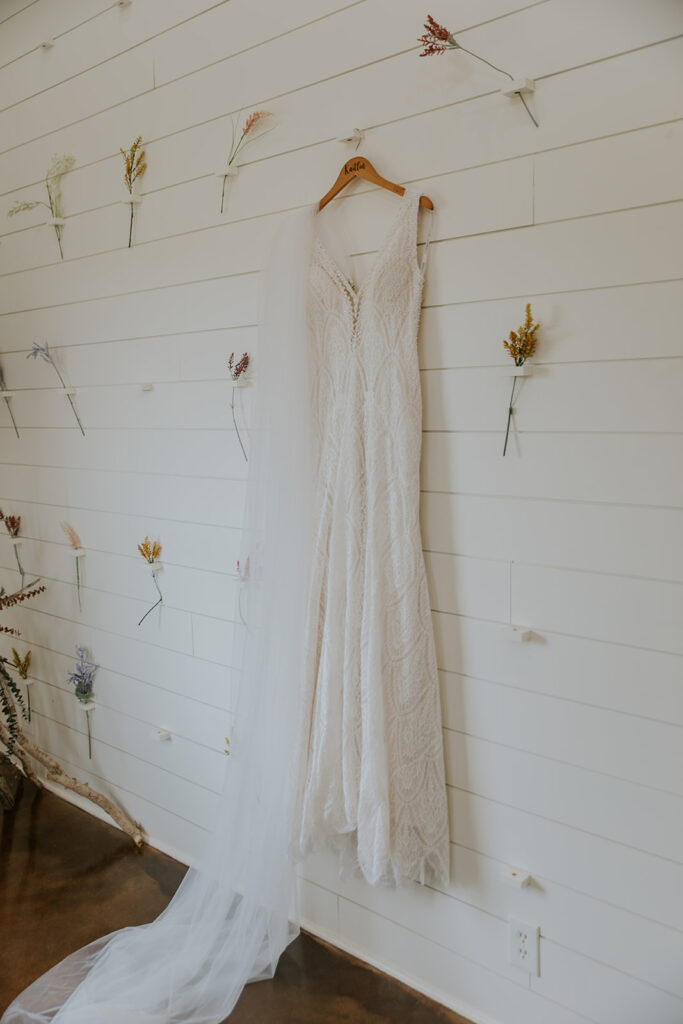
(337, 730)
(374, 782)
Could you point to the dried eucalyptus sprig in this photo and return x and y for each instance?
(43, 352)
(3, 387)
(238, 372)
(150, 551)
(53, 183)
(135, 167)
(520, 345)
(253, 129)
(437, 39)
(10, 694)
(10, 698)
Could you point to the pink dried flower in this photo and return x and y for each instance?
(237, 370)
(239, 141)
(72, 535)
(436, 40)
(253, 120)
(12, 524)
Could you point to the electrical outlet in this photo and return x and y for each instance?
(523, 939)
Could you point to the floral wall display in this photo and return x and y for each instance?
(59, 166)
(582, 218)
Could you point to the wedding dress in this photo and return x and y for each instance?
(374, 786)
(337, 730)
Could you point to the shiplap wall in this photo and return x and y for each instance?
(565, 754)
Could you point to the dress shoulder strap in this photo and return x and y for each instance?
(428, 235)
(412, 197)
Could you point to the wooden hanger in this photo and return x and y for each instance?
(360, 167)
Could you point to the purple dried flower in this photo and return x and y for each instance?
(83, 676)
(42, 352)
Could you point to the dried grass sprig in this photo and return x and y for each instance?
(43, 352)
(437, 39)
(134, 168)
(60, 165)
(520, 345)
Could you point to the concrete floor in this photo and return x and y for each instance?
(66, 878)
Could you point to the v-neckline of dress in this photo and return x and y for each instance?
(355, 292)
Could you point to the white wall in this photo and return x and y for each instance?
(564, 754)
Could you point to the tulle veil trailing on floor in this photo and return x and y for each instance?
(234, 912)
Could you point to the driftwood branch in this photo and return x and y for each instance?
(24, 749)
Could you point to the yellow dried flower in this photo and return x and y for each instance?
(522, 342)
(134, 161)
(22, 667)
(150, 550)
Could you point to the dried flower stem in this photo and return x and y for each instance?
(156, 603)
(510, 412)
(87, 719)
(19, 565)
(9, 410)
(234, 420)
(503, 72)
(78, 418)
(78, 584)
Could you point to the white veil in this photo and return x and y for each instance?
(234, 913)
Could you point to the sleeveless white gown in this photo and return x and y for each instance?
(374, 784)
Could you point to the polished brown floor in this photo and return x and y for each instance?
(66, 878)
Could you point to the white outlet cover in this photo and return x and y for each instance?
(523, 945)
